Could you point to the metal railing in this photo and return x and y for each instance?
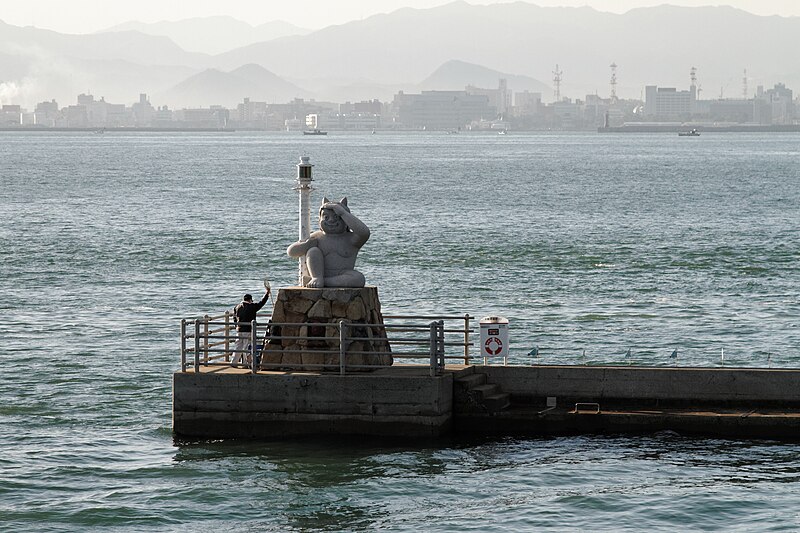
(343, 346)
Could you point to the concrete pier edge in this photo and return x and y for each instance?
(406, 401)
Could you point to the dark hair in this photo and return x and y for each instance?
(248, 298)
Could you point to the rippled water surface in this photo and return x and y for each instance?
(590, 244)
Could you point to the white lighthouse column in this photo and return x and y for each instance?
(304, 188)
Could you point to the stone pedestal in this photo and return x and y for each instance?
(315, 313)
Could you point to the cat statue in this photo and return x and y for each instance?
(330, 253)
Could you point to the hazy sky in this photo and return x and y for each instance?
(83, 16)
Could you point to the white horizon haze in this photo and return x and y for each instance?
(88, 16)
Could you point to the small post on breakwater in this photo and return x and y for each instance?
(304, 188)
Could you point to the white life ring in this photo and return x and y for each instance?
(493, 345)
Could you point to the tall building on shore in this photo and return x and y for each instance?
(441, 109)
(668, 103)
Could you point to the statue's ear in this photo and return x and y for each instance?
(343, 201)
(325, 200)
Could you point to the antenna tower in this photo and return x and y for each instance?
(557, 82)
(613, 83)
(744, 85)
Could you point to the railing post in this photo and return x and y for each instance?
(342, 346)
(253, 361)
(183, 345)
(440, 351)
(433, 348)
(205, 343)
(466, 338)
(197, 345)
(227, 336)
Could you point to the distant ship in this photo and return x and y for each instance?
(314, 132)
(691, 133)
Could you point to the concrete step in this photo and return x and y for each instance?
(482, 391)
(497, 402)
(471, 381)
(473, 393)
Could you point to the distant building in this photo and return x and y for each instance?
(114, 115)
(10, 115)
(293, 124)
(85, 99)
(143, 112)
(100, 113)
(503, 97)
(373, 107)
(212, 117)
(499, 98)
(46, 114)
(737, 110)
(162, 117)
(251, 114)
(568, 114)
(527, 103)
(774, 106)
(318, 121)
(441, 109)
(75, 116)
(360, 121)
(291, 116)
(667, 103)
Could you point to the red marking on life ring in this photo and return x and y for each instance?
(493, 341)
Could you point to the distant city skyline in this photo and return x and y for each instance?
(87, 16)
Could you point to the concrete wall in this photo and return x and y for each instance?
(229, 404)
(587, 383)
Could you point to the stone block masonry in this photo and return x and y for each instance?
(317, 313)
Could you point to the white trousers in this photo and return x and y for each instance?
(242, 343)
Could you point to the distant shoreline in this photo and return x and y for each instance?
(111, 130)
(790, 128)
(675, 128)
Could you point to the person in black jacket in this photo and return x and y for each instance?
(243, 315)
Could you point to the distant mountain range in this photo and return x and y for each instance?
(459, 74)
(212, 35)
(656, 45)
(131, 46)
(445, 47)
(38, 65)
(230, 88)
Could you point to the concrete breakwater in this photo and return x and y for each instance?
(223, 402)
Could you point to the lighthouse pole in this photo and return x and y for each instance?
(304, 188)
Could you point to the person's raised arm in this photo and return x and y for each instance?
(263, 300)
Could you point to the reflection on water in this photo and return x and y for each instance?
(335, 484)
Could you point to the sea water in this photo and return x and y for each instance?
(599, 249)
